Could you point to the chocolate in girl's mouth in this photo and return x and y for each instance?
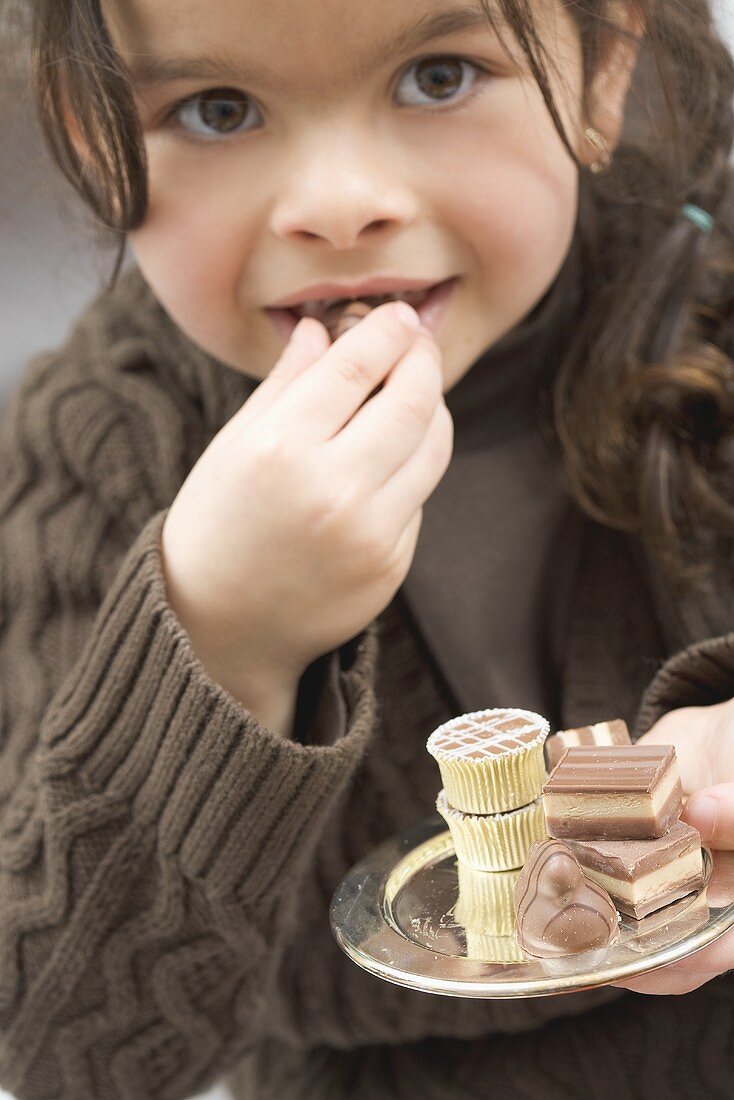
(342, 316)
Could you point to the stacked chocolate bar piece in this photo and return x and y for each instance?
(617, 808)
(614, 732)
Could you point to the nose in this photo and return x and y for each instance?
(341, 197)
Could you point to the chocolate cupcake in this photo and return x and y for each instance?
(493, 842)
(491, 760)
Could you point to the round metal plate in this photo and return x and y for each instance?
(394, 915)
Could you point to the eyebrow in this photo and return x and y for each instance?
(147, 70)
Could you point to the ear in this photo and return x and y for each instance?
(611, 82)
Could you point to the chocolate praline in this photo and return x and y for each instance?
(559, 910)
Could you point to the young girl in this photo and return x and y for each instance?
(246, 571)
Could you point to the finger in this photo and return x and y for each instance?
(407, 542)
(309, 341)
(720, 887)
(711, 811)
(417, 480)
(389, 427)
(321, 401)
(688, 730)
(688, 974)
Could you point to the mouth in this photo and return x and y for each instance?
(430, 305)
(319, 308)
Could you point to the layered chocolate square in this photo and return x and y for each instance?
(614, 732)
(643, 875)
(613, 792)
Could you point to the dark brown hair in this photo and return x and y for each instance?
(644, 399)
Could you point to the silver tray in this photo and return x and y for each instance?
(394, 915)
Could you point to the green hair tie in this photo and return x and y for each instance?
(699, 217)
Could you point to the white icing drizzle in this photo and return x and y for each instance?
(476, 735)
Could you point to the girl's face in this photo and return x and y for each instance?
(340, 146)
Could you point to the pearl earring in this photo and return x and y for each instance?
(598, 166)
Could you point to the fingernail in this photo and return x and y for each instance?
(408, 316)
(701, 813)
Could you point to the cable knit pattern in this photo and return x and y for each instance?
(167, 863)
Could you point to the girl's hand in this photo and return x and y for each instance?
(704, 743)
(299, 522)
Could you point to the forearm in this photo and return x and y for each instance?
(270, 696)
(276, 710)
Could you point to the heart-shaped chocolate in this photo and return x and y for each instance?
(559, 910)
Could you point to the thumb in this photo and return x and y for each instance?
(711, 811)
(688, 730)
(308, 342)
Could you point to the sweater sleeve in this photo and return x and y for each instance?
(698, 676)
(152, 831)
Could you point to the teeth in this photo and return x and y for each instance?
(319, 308)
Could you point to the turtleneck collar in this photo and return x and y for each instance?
(483, 570)
(500, 393)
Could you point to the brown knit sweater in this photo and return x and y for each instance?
(166, 863)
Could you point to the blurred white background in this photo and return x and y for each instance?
(49, 266)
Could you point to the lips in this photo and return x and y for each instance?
(379, 286)
(431, 310)
(319, 309)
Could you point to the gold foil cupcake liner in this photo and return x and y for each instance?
(505, 777)
(486, 900)
(493, 842)
(497, 785)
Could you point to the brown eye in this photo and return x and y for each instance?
(222, 114)
(442, 79)
(215, 113)
(439, 76)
